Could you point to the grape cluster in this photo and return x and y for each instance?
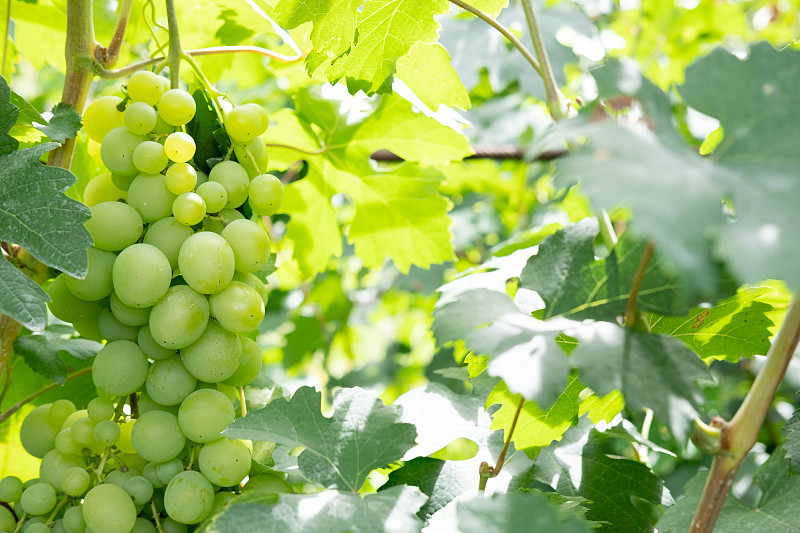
(170, 288)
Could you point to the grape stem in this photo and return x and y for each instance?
(108, 55)
(58, 507)
(556, 104)
(631, 317)
(485, 471)
(20, 522)
(155, 516)
(5, 415)
(174, 56)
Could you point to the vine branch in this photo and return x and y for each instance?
(556, 103)
(174, 56)
(630, 310)
(108, 55)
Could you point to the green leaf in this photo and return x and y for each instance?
(427, 71)
(21, 298)
(518, 511)
(792, 444)
(341, 451)
(334, 22)
(653, 371)
(63, 125)
(231, 33)
(491, 7)
(8, 117)
(387, 29)
(625, 494)
(42, 352)
(389, 511)
(775, 510)
(23, 129)
(559, 464)
(734, 328)
(202, 128)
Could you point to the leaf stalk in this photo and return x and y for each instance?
(556, 104)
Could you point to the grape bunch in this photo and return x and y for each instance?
(170, 289)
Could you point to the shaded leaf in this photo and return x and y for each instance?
(42, 352)
(21, 298)
(8, 117)
(63, 125)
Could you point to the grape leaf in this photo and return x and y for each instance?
(231, 33)
(202, 128)
(775, 510)
(8, 117)
(42, 352)
(63, 125)
(341, 451)
(389, 511)
(21, 298)
(518, 511)
(559, 464)
(625, 494)
(572, 283)
(654, 371)
(792, 444)
(23, 129)
(734, 328)
(334, 22)
(443, 88)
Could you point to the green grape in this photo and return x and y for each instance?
(147, 404)
(249, 367)
(225, 462)
(168, 381)
(179, 318)
(150, 158)
(176, 107)
(262, 115)
(179, 147)
(143, 525)
(35, 527)
(168, 470)
(252, 156)
(120, 476)
(55, 463)
(66, 306)
(74, 417)
(189, 208)
(140, 118)
(7, 521)
(102, 189)
(157, 437)
(242, 123)
(75, 481)
(141, 275)
(102, 116)
(140, 489)
(123, 182)
(151, 473)
(106, 432)
(237, 307)
(97, 283)
(37, 433)
(214, 195)
(107, 508)
(250, 244)
(206, 262)
(267, 483)
(171, 526)
(73, 520)
(181, 178)
(88, 329)
(145, 86)
(112, 329)
(59, 411)
(10, 489)
(82, 432)
(162, 129)
(117, 151)
(225, 217)
(204, 414)
(38, 499)
(120, 368)
(149, 195)
(150, 347)
(215, 356)
(66, 444)
(168, 235)
(114, 226)
(189, 497)
(130, 316)
(265, 193)
(234, 178)
(100, 409)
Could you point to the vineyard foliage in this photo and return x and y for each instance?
(427, 309)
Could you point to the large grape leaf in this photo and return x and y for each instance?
(654, 371)
(334, 22)
(21, 298)
(775, 510)
(63, 124)
(341, 451)
(417, 71)
(390, 511)
(8, 117)
(43, 352)
(572, 283)
(734, 328)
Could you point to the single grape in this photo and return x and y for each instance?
(140, 118)
(141, 275)
(234, 178)
(143, 525)
(168, 235)
(130, 316)
(82, 432)
(37, 433)
(168, 470)
(102, 189)
(66, 306)
(120, 476)
(7, 521)
(100, 409)
(206, 262)
(181, 178)
(114, 226)
(176, 107)
(102, 116)
(237, 307)
(112, 329)
(168, 381)
(265, 193)
(120, 368)
(150, 347)
(150, 158)
(243, 123)
(97, 283)
(55, 463)
(214, 195)
(225, 462)
(204, 414)
(254, 282)
(59, 411)
(38, 499)
(66, 444)
(107, 508)
(149, 195)
(106, 432)
(117, 151)
(189, 208)
(249, 367)
(35, 527)
(189, 497)
(88, 329)
(179, 318)
(262, 115)
(10, 489)
(145, 86)
(147, 404)
(157, 437)
(250, 244)
(215, 356)
(123, 182)
(267, 483)
(150, 471)
(179, 147)
(75, 481)
(73, 520)
(140, 489)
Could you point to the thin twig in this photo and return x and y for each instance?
(638, 277)
(108, 55)
(487, 471)
(5, 415)
(504, 31)
(556, 103)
